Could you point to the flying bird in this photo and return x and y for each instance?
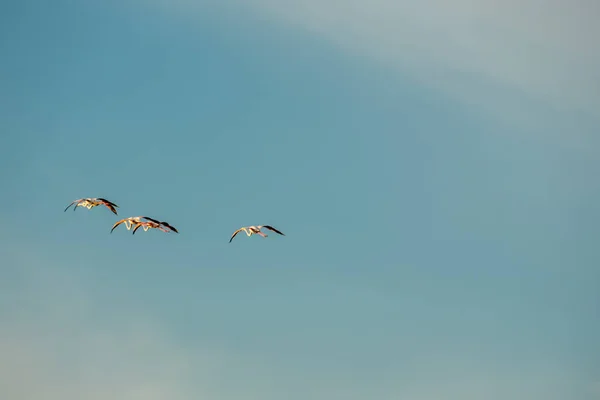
(137, 222)
(255, 230)
(91, 202)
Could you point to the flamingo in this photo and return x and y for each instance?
(91, 202)
(255, 230)
(136, 222)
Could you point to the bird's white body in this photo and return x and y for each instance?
(254, 230)
(87, 204)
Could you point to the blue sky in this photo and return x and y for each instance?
(437, 186)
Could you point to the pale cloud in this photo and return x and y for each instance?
(58, 342)
(594, 389)
(544, 51)
(53, 346)
(473, 378)
(50, 361)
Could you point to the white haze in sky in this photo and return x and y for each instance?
(545, 51)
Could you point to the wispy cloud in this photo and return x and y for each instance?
(546, 51)
(51, 361)
(59, 341)
(54, 346)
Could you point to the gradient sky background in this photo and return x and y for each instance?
(434, 167)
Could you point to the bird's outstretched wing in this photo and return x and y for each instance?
(171, 227)
(111, 208)
(119, 223)
(163, 223)
(109, 204)
(234, 234)
(272, 229)
(136, 228)
(75, 201)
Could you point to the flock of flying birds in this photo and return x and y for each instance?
(147, 223)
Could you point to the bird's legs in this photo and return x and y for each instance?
(87, 204)
(147, 226)
(261, 234)
(129, 224)
(84, 203)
